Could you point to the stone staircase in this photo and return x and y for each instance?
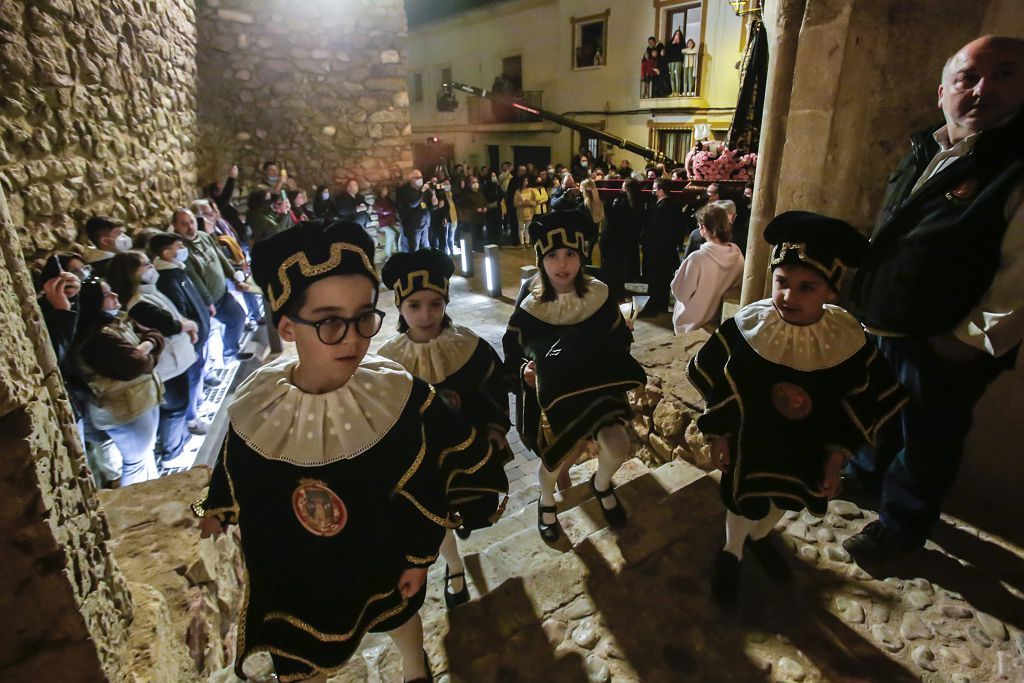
(633, 604)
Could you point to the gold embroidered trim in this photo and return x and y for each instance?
(420, 560)
(547, 241)
(458, 447)
(427, 513)
(889, 392)
(470, 470)
(624, 384)
(407, 285)
(780, 252)
(336, 637)
(414, 467)
(197, 508)
(309, 270)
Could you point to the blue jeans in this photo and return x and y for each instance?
(417, 239)
(172, 433)
(233, 318)
(934, 427)
(252, 305)
(136, 440)
(195, 383)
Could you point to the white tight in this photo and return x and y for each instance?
(613, 448)
(450, 553)
(738, 529)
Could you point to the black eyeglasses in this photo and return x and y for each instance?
(333, 330)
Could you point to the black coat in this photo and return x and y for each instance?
(345, 206)
(175, 284)
(413, 208)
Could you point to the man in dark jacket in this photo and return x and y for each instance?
(948, 318)
(414, 202)
(169, 255)
(351, 205)
(661, 249)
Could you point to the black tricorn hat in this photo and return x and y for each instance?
(410, 272)
(562, 229)
(286, 264)
(829, 245)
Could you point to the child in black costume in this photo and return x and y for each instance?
(567, 348)
(792, 388)
(339, 468)
(463, 368)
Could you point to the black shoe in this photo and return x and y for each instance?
(549, 532)
(453, 600)
(212, 381)
(617, 515)
(430, 674)
(774, 562)
(463, 533)
(648, 312)
(244, 355)
(725, 580)
(876, 543)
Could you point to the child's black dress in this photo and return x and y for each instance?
(583, 368)
(785, 395)
(467, 374)
(336, 495)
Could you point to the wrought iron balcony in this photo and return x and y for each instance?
(488, 111)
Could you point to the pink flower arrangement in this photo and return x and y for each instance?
(720, 163)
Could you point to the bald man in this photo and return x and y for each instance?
(942, 287)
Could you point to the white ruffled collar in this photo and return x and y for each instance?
(281, 422)
(566, 309)
(825, 344)
(435, 360)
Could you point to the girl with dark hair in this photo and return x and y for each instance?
(117, 358)
(675, 63)
(567, 348)
(464, 369)
(620, 240)
(134, 278)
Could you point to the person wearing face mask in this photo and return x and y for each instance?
(211, 272)
(117, 359)
(169, 255)
(133, 278)
(108, 237)
(351, 205)
(414, 199)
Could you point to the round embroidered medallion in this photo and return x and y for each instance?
(791, 401)
(318, 508)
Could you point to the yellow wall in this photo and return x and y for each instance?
(474, 43)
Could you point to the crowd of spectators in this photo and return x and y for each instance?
(132, 314)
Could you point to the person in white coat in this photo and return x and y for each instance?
(706, 274)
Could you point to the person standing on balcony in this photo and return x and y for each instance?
(675, 63)
(648, 65)
(690, 69)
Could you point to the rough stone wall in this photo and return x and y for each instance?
(65, 604)
(97, 113)
(313, 85)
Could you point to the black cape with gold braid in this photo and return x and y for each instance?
(781, 422)
(478, 390)
(324, 546)
(583, 372)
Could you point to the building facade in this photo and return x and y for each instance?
(578, 58)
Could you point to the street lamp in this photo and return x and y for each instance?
(492, 269)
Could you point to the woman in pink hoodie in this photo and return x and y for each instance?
(706, 274)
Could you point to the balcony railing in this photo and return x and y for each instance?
(483, 110)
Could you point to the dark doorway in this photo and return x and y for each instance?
(427, 158)
(512, 67)
(493, 157)
(524, 154)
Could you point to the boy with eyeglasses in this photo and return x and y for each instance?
(337, 468)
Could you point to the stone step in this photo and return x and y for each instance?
(523, 555)
(521, 510)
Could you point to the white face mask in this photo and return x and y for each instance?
(181, 255)
(112, 312)
(150, 276)
(475, 186)
(123, 242)
(418, 183)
